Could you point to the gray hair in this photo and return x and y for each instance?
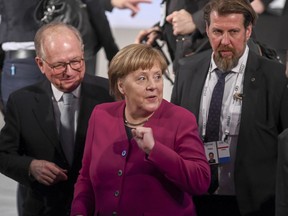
(50, 28)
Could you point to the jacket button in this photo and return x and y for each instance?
(114, 213)
(116, 194)
(120, 172)
(123, 153)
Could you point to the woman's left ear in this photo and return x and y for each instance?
(120, 86)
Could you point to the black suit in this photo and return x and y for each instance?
(30, 133)
(271, 29)
(102, 28)
(282, 176)
(195, 9)
(19, 25)
(284, 30)
(263, 116)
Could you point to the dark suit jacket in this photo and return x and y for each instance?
(30, 133)
(282, 175)
(194, 8)
(102, 28)
(18, 24)
(17, 21)
(264, 115)
(284, 30)
(272, 29)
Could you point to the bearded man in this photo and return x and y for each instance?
(240, 100)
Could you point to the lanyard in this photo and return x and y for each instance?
(231, 119)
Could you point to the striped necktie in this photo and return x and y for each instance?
(213, 123)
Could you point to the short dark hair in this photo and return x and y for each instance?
(225, 7)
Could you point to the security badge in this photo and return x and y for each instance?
(217, 152)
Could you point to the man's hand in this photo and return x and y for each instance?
(129, 4)
(46, 172)
(182, 22)
(258, 6)
(151, 35)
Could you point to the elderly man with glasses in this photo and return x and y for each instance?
(39, 147)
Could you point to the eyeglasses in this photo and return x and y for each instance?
(59, 68)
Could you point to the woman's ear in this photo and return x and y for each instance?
(120, 86)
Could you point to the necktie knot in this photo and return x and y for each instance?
(221, 75)
(213, 123)
(67, 98)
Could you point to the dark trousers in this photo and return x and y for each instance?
(21, 194)
(33, 203)
(216, 205)
(90, 63)
(18, 73)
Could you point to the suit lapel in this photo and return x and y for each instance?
(44, 113)
(199, 77)
(87, 104)
(195, 70)
(251, 78)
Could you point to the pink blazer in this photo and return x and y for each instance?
(117, 178)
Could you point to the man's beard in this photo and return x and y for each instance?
(225, 64)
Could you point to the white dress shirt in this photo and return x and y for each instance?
(58, 103)
(231, 109)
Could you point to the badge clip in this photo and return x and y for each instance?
(238, 96)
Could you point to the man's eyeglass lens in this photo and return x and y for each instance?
(61, 67)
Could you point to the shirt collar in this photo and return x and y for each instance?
(58, 94)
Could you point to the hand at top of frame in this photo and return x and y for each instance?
(182, 22)
(258, 6)
(129, 4)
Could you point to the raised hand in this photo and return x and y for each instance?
(129, 4)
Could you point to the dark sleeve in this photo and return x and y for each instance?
(266, 2)
(282, 175)
(196, 10)
(107, 5)
(198, 18)
(284, 33)
(102, 27)
(13, 163)
(1, 57)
